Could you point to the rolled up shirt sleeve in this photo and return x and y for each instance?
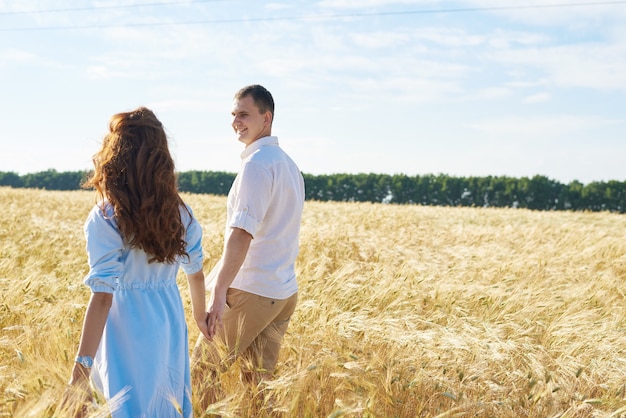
(254, 188)
(104, 252)
(193, 238)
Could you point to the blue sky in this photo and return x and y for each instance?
(465, 88)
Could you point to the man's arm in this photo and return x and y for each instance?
(235, 252)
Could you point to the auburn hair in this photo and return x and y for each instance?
(134, 172)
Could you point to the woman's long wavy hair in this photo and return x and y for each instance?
(134, 171)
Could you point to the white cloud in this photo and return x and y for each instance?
(538, 128)
(360, 4)
(278, 6)
(591, 65)
(489, 93)
(100, 72)
(501, 39)
(537, 98)
(182, 104)
(379, 39)
(19, 58)
(448, 37)
(550, 14)
(525, 83)
(403, 89)
(17, 55)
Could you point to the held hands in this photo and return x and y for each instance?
(235, 251)
(217, 305)
(202, 323)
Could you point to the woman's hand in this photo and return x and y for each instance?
(77, 396)
(202, 323)
(197, 292)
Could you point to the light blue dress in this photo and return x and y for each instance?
(142, 364)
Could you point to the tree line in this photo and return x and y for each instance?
(538, 192)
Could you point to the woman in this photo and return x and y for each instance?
(134, 342)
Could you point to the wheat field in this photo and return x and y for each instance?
(404, 311)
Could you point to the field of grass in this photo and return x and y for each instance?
(404, 311)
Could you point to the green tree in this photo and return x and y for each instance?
(11, 179)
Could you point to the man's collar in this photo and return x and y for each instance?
(266, 140)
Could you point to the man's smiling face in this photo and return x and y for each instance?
(248, 122)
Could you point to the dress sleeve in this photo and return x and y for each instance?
(104, 252)
(193, 238)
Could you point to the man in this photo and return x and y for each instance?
(255, 289)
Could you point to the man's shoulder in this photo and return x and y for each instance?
(266, 153)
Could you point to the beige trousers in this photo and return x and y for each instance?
(253, 327)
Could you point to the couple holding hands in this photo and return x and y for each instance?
(134, 342)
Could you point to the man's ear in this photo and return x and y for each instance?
(267, 118)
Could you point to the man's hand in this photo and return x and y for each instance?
(217, 305)
(236, 248)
